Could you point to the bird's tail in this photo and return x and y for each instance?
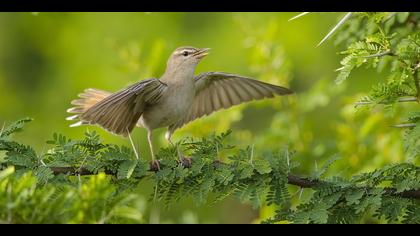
(86, 100)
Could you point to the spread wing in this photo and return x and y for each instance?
(218, 90)
(120, 111)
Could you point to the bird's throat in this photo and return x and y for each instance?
(178, 76)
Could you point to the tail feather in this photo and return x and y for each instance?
(86, 100)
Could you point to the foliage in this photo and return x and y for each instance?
(29, 181)
(373, 149)
(389, 42)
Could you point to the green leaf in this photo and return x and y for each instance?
(43, 174)
(126, 169)
(402, 16)
(246, 172)
(262, 166)
(7, 172)
(14, 127)
(326, 166)
(319, 214)
(354, 196)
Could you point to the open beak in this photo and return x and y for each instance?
(201, 53)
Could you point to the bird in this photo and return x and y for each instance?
(175, 99)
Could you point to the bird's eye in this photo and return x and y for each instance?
(185, 53)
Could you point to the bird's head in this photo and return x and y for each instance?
(187, 57)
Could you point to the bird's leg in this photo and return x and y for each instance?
(132, 144)
(155, 163)
(186, 162)
(168, 136)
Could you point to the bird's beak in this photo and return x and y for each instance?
(201, 53)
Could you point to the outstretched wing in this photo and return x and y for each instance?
(218, 90)
(120, 111)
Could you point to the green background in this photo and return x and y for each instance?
(46, 59)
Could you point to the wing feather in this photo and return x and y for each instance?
(218, 90)
(120, 111)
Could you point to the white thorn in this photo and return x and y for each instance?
(297, 16)
(252, 154)
(2, 128)
(341, 22)
(338, 69)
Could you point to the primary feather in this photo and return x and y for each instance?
(117, 112)
(218, 90)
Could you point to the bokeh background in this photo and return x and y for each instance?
(46, 59)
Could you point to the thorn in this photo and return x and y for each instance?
(297, 16)
(301, 192)
(338, 69)
(2, 129)
(155, 192)
(252, 154)
(42, 162)
(341, 22)
(389, 16)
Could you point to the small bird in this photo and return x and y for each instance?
(172, 101)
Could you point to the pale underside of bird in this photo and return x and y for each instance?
(172, 101)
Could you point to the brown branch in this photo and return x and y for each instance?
(302, 182)
(291, 179)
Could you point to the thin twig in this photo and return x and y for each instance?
(403, 99)
(408, 99)
(408, 125)
(381, 54)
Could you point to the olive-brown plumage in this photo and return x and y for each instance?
(172, 101)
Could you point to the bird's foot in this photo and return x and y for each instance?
(186, 162)
(155, 165)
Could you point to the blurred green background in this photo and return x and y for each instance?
(46, 59)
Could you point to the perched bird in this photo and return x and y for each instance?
(177, 98)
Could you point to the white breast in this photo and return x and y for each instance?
(174, 106)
